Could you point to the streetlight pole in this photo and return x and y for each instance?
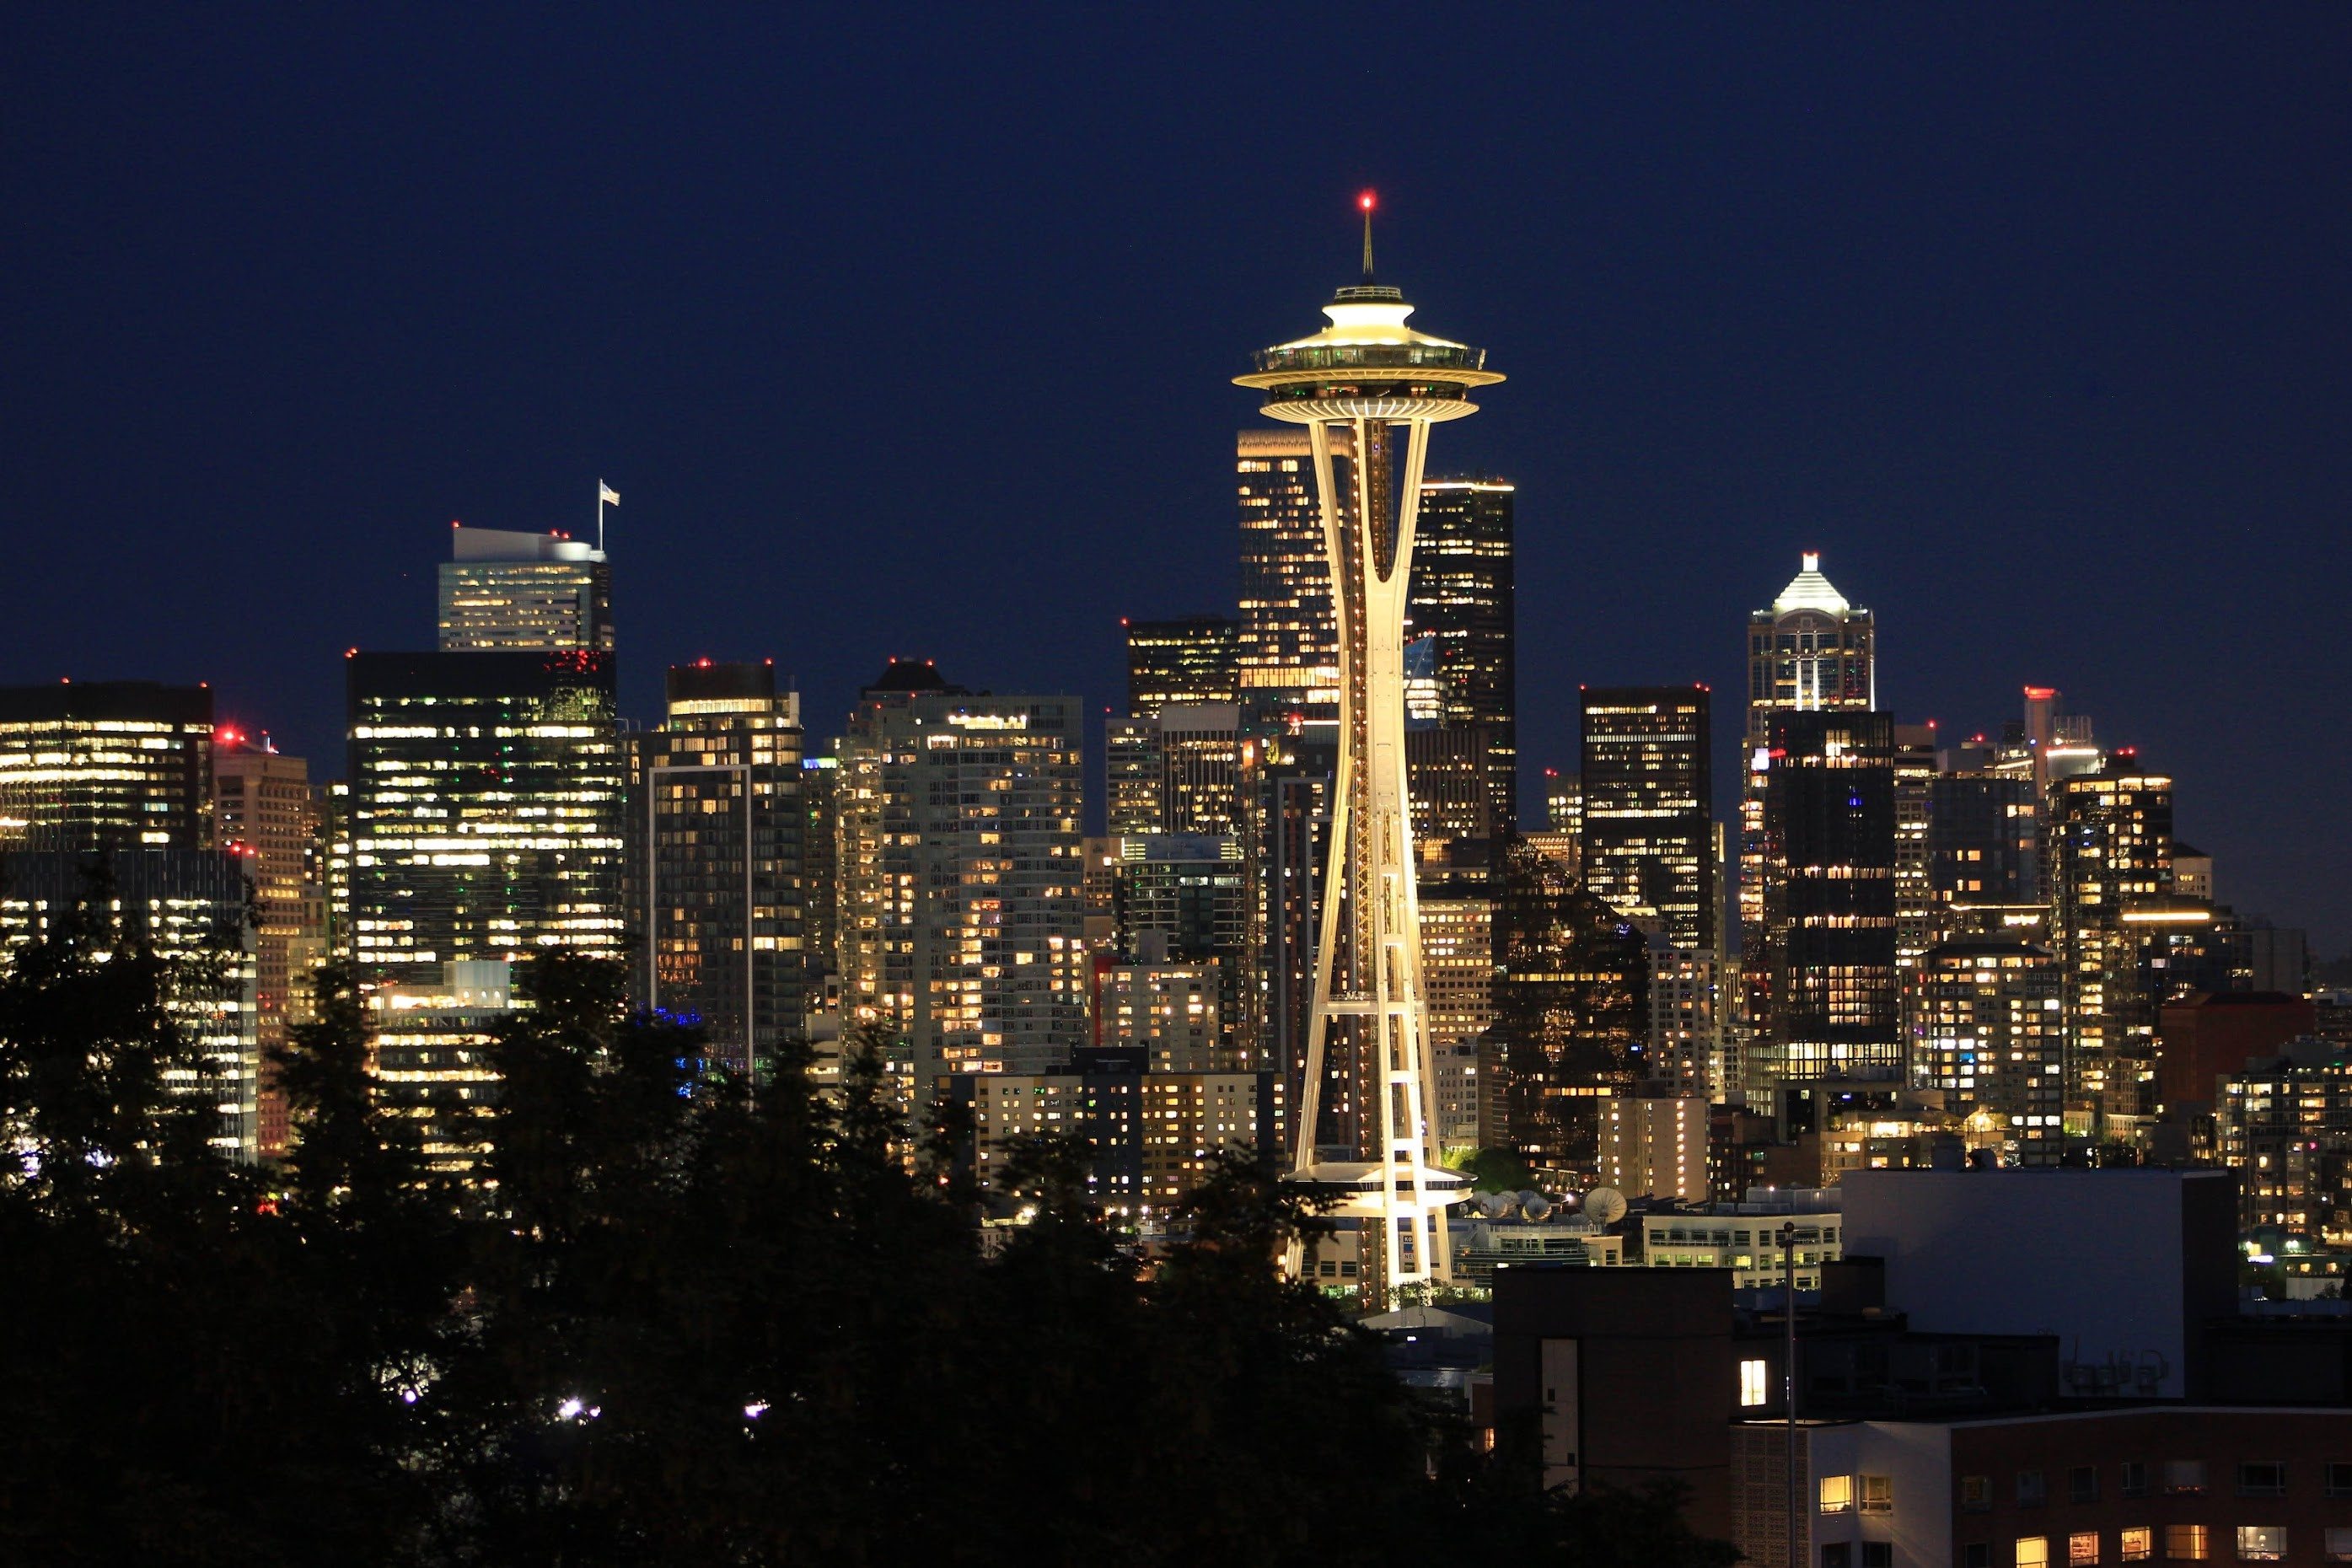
(1789, 1379)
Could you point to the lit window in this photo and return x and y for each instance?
(1837, 1494)
(2187, 1542)
(1878, 1494)
(2033, 1552)
(2340, 1543)
(2082, 1549)
(2262, 1543)
(1751, 1383)
(2135, 1545)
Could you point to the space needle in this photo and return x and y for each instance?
(1367, 388)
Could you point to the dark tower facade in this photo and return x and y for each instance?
(1828, 949)
(1463, 598)
(1647, 844)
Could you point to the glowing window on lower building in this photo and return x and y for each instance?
(1752, 1390)
(2082, 1548)
(1837, 1494)
(2187, 1542)
(2262, 1543)
(2033, 1552)
(2135, 1545)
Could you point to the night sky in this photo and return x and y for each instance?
(908, 332)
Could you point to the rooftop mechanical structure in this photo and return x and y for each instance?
(1385, 384)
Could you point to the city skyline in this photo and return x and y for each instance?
(1857, 350)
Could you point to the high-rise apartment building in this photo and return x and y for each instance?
(503, 591)
(1181, 663)
(1171, 1011)
(962, 919)
(105, 765)
(2110, 845)
(716, 823)
(1991, 1038)
(264, 812)
(1686, 1036)
(1827, 947)
(484, 818)
(1457, 968)
(1811, 651)
(1648, 844)
(1463, 597)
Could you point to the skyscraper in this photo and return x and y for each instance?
(1181, 663)
(716, 831)
(190, 906)
(1811, 651)
(961, 921)
(1386, 384)
(2110, 843)
(484, 817)
(1648, 844)
(1571, 1014)
(1464, 596)
(1827, 952)
(105, 765)
(1174, 771)
(106, 809)
(1286, 646)
(266, 814)
(1991, 1038)
(503, 591)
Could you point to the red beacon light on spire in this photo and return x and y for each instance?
(1367, 201)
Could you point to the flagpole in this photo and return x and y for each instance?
(600, 517)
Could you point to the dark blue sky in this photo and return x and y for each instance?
(905, 332)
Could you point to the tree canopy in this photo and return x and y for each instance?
(686, 1320)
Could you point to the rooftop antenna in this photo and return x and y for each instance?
(1366, 202)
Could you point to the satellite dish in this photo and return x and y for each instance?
(1496, 1206)
(1538, 1209)
(1604, 1205)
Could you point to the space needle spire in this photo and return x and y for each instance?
(1367, 388)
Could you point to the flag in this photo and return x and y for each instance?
(606, 495)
